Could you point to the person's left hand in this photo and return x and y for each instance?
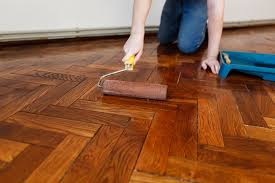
(211, 62)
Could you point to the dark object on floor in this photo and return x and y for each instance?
(262, 65)
(135, 89)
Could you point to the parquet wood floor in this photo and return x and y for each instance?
(55, 125)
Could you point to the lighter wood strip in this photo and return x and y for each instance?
(209, 129)
(270, 122)
(141, 177)
(260, 133)
(58, 162)
(54, 124)
(10, 149)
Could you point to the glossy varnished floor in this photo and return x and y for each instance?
(55, 126)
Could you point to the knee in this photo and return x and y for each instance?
(187, 47)
(163, 38)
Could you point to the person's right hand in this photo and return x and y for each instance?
(134, 46)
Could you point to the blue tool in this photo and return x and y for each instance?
(262, 65)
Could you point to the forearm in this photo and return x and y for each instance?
(215, 26)
(140, 13)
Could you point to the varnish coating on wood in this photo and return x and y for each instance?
(56, 126)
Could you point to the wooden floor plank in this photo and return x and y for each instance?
(8, 83)
(130, 111)
(248, 145)
(93, 94)
(231, 120)
(57, 163)
(270, 122)
(86, 116)
(51, 97)
(140, 177)
(122, 160)
(153, 157)
(250, 114)
(271, 93)
(24, 164)
(25, 100)
(94, 156)
(29, 135)
(76, 92)
(263, 101)
(237, 161)
(209, 127)
(54, 124)
(11, 95)
(139, 126)
(202, 172)
(185, 136)
(260, 133)
(31, 79)
(10, 149)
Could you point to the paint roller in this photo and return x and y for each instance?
(131, 89)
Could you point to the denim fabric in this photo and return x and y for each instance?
(184, 21)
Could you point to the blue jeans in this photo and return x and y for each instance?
(184, 21)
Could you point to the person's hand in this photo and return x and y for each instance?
(211, 62)
(134, 46)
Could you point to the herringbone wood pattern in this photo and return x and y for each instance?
(55, 125)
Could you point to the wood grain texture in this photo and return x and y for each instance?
(140, 177)
(155, 150)
(86, 116)
(11, 95)
(271, 92)
(260, 133)
(122, 160)
(241, 161)
(202, 172)
(248, 145)
(55, 166)
(14, 84)
(154, 155)
(250, 114)
(209, 127)
(76, 92)
(270, 122)
(50, 97)
(24, 164)
(29, 135)
(130, 111)
(19, 104)
(263, 100)
(32, 79)
(94, 156)
(231, 120)
(10, 149)
(185, 137)
(54, 124)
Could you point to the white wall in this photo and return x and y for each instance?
(48, 15)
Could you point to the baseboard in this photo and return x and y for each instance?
(78, 33)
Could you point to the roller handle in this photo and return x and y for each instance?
(130, 63)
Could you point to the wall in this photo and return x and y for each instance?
(28, 16)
